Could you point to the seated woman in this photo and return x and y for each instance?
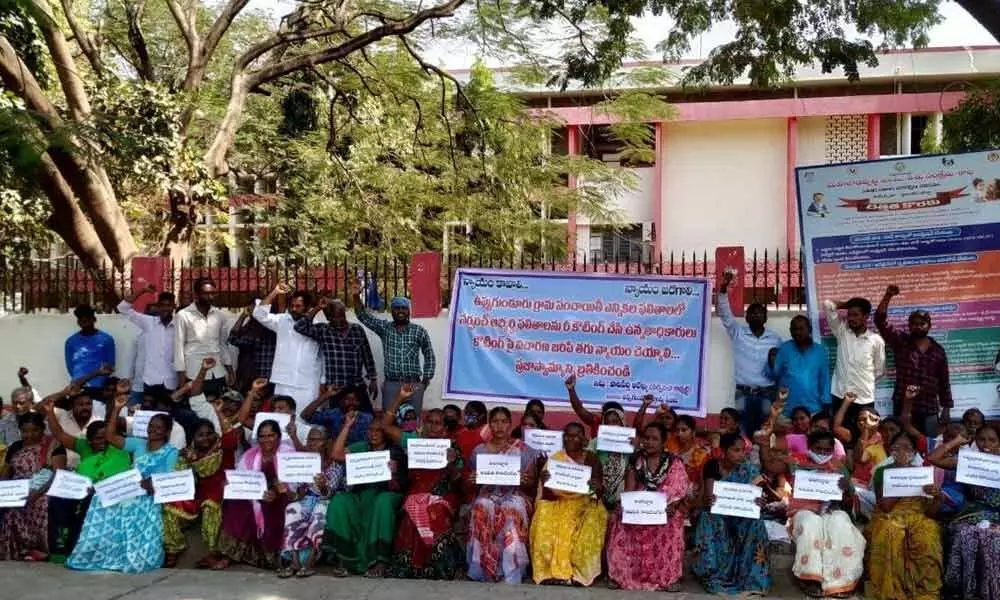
(973, 566)
(692, 451)
(904, 542)
(567, 530)
(973, 419)
(252, 529)
(433, 549)
(307, 508)
(128, 536)
(613, 464)
(651, 557)
(534, 412)
(729, 424)
(801, 421)
(361, 522)
(829, 549)
(497, 549)
(730, 553)
(209, 457)
(867, 453)
(24, 532)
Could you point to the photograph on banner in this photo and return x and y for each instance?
(14, 493)
(140, 422)
(120, 487)
(736, 499)
(612, 438)
(927, 224)
(518, 335)
(906, 482)
(644, 508)
(568, 477)
(498, 469)
(299, 467)
(548, 441)
(69, 485)
(978, 468)
(244, 485)
(817, 485)
(427, 453)
(177, 486)
(368, 467)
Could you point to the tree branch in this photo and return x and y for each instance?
(186, 24)
(257, 50)
(225, 19)
(62, 60)
(138, 41)
(82, 39)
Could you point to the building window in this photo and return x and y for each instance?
(622, 245)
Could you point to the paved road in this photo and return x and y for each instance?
(26, 581)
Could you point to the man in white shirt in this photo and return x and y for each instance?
(201, 331)
(297, 370)
(860, 357)
(157, 336)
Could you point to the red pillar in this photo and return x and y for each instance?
(731, 258)
(573, 142)
(658, 192)
(791, 197)
(425, 284)
(150, 269)
(874, 136)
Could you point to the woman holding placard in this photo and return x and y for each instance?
(613, 464)
(24, 531)
(128, 536)
(567, 531)
(651, 557)
(427, 544)
(904, 541)
(361, 522)
(829, 549)
(497, 548)
(973, 567)
(730, 551)
(252, 529)
(305, 515)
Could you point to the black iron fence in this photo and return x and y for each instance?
(773, 277)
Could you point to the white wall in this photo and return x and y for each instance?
(36, 342)
(635, 206)
(724, 185)
(812, 141)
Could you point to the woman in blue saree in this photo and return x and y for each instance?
(128, 536)
(730, 553)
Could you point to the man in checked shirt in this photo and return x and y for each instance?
(344, 349)
(920, 362)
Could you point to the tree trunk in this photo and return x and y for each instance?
(67, 220)
(215, 158)
(177, 243)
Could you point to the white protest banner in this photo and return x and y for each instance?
(817, 485)
(368, 467)
(14, 493)
(548, 441)
(498, 469)
(299, 467)
(281, 418)
(736, 499)
(644, 508)
(140, 422)
(173, 487)
(244, 485)
(978, 468)
(426, 453)
(906, 482)
(67, 484)
(568, 477)
(119, 488)
(615, 439)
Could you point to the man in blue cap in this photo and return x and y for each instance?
(403, 343)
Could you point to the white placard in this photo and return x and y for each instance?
(244, 485)
(978, 468)
(119, 488)
(568, 477)
(177, 486)
(70, 485)
(548, 441)
(498, 469)
(644, 508)
(368, 467)
(736, 499)
(14, 493)
(140, 422)
(299, 467)
(611, 438)
(906, 482)
(427, 453)
(817, 485)
(281, 418)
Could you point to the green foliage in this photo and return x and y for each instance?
(974, 124)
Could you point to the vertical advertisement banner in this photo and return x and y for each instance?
(517, 335)
(929, 224)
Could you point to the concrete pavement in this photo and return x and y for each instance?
(28, 581)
